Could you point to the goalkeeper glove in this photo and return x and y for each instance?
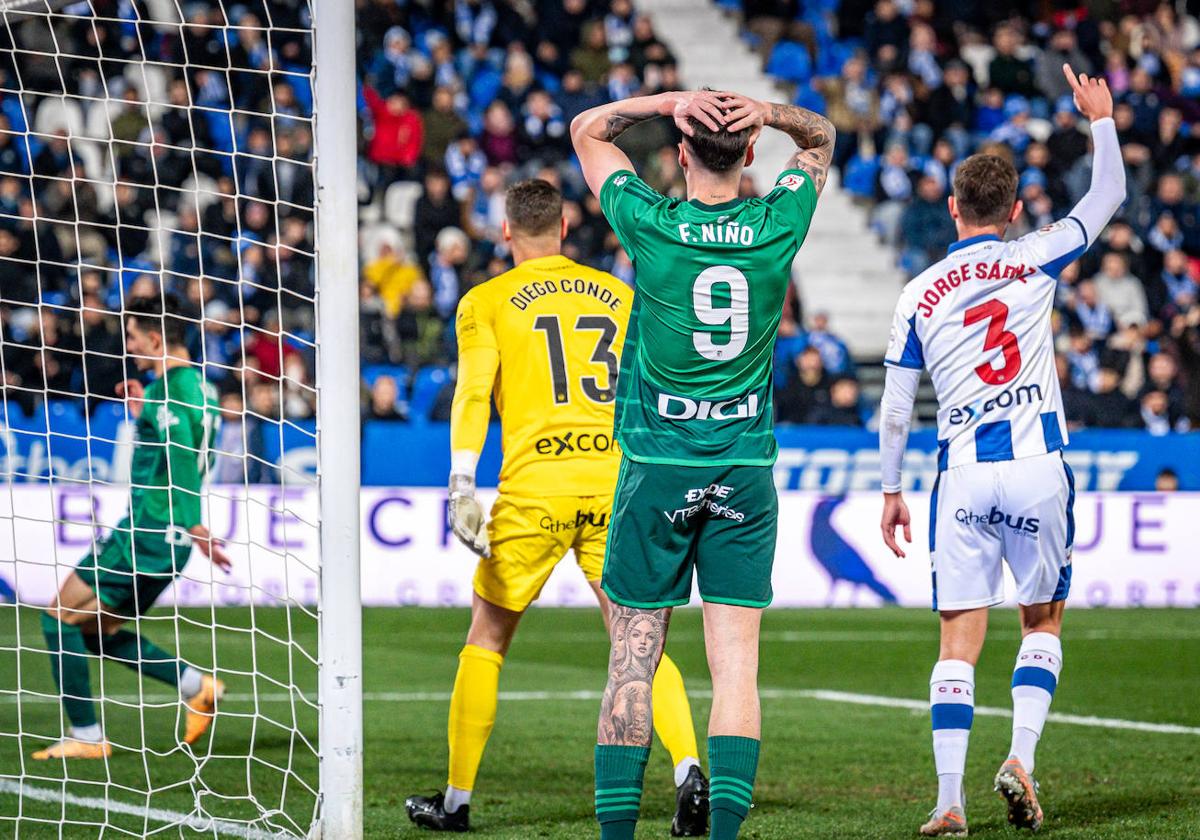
(466, 516)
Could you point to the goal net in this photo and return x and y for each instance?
(164, 380)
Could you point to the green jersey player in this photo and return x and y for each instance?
(695, 496)
(119, 580)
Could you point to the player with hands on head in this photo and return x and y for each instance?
(177, 417)
(695, 496)
(980, 322)
(543, 340)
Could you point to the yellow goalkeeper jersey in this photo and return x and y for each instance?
(545, 338)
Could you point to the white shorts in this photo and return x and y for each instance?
(1018, 511)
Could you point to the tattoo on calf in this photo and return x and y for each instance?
(638, 637)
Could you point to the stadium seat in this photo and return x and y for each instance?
(400, 203)
(859, 177)
(807, 97)
(791, 62)
(106, 419)
(425, 387)
(398, 372)
(60, 416)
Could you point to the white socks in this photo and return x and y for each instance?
(682, 768)
(456, 798)
(1034, 679)
(952, 710)
(92, 734)
(190, 682)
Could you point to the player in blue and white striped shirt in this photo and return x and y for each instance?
(979, 321)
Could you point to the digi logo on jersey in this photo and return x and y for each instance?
(1021, 526)
(672, 407)
(570, 443)
(1009, 397)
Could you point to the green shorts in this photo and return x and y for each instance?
(129, 571)
(668, 520)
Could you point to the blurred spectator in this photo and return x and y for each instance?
(385, 401)
(499, 141)
(1167, 481)
(591, 58)
(1091, 313)
(1060, 50)
(442, 124)
(436, 209)
(420, 330)
(926, 228)
(240, 446)
(451, 250)
(1008, 70)
(1163, 377)
(807, 389)
(835, 355)
(1108, 407)
(1120, 292)
(395, 145)
(842, 409)
(392, 274)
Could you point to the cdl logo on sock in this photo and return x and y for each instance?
(1038, 657)
(942, 689)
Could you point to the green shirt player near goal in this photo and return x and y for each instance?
(124, 574)
(695, 497)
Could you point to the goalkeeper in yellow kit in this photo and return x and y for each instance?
(543, 339)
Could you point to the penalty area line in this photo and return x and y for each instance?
(195, 822)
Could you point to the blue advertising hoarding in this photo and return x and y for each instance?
(60, 441)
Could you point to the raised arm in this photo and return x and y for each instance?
(812, 133)
(1107, 190)
(594, 132)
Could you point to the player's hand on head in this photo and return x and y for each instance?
(1092, 96)
(210, 547)
(466, 516)
(895, 514)
(744, 112)
(702, 105)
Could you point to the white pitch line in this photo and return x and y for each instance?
(995, 711)
(822, 695)
(112, 806)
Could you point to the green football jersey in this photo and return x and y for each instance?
(695, 385)
(171, 453)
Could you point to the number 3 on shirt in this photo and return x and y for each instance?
(737, 314)
(995, 312)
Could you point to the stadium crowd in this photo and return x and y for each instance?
(913, 86)
(458, 98)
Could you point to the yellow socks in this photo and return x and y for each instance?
(673, 714)
(472, 712)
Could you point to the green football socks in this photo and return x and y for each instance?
(69, 665)
(733, 762)
(619, 773)
(138, 653)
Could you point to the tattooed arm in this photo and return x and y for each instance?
(638, 638)
(812, 133)
(594, 131)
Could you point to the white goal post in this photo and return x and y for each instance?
(222, 182)
(338, 421)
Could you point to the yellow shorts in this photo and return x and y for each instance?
(530, 535)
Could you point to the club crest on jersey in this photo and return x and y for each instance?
(686, 408)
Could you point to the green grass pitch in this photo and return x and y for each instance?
(829, 769)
